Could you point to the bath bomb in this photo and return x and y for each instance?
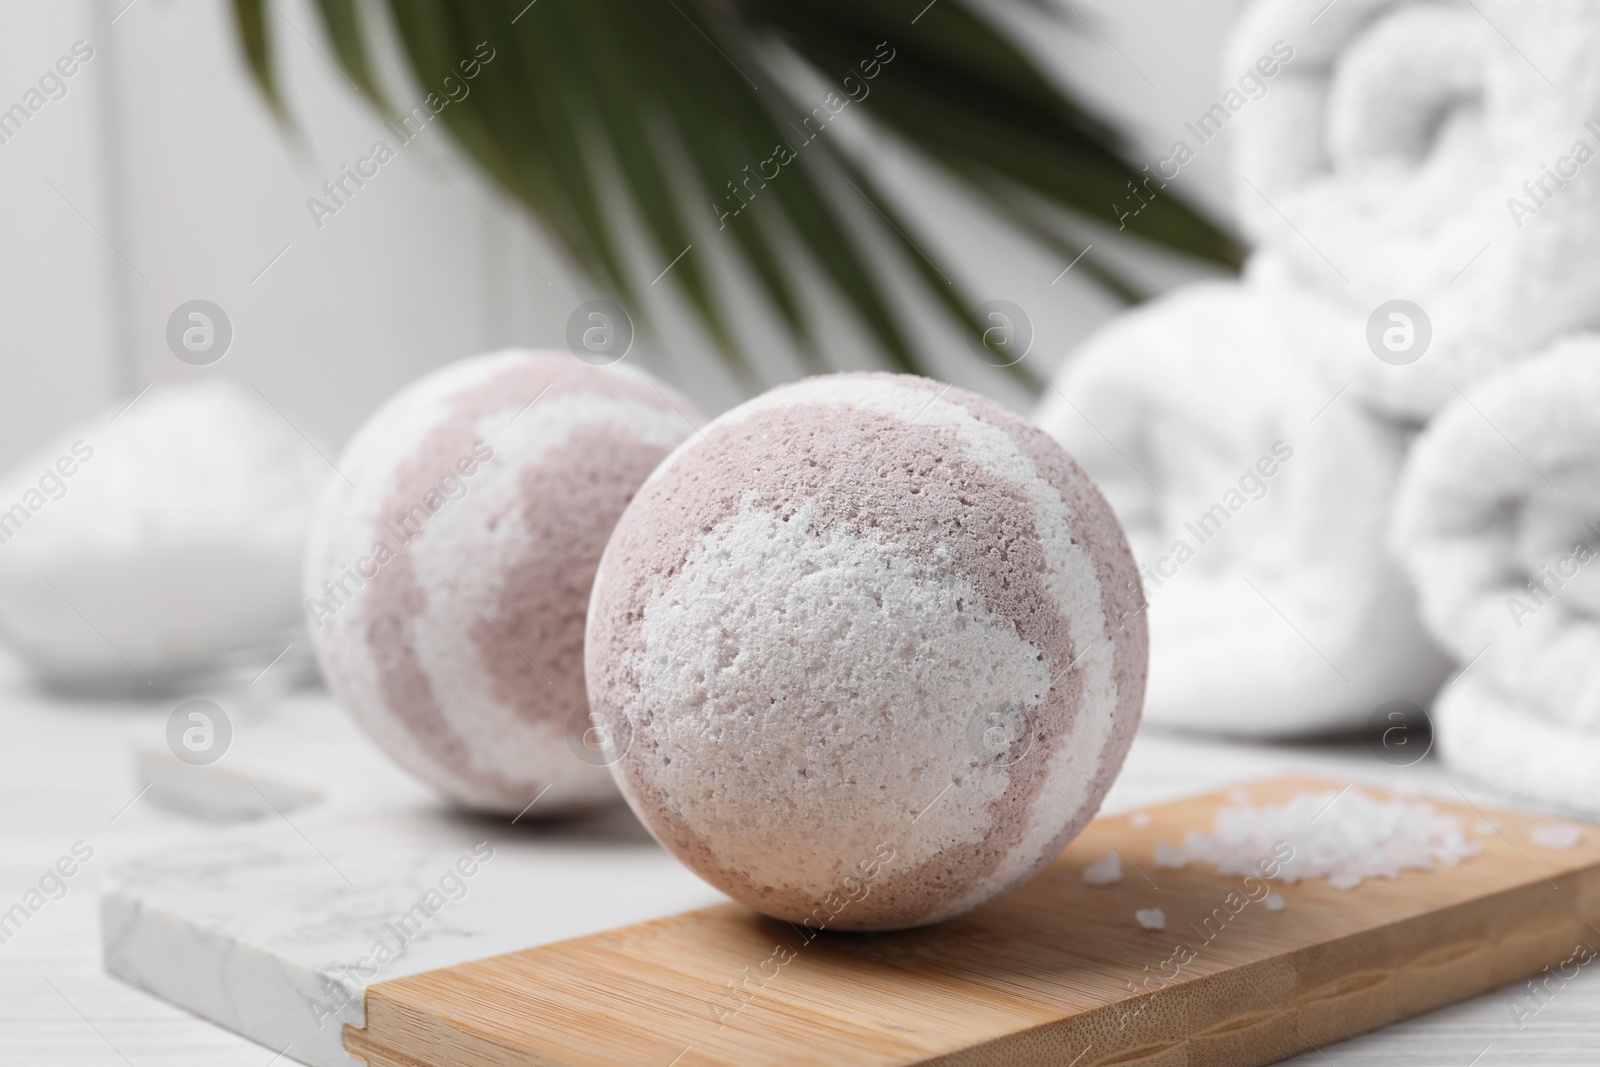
(156, 540)
(875, 648)
(449, 567)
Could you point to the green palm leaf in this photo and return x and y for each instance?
(685, 104)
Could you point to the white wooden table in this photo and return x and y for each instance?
(67, 775)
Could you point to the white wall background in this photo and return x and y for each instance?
(57, 319)
(161, 177)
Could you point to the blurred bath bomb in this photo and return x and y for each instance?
(874, 648)
(150, 540)
(446, 587)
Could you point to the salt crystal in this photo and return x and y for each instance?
(1170, 857)
(1140, 821)
(1104, 872)
(1151, 918)
(181, 536)
(1557, 835)
(1275, 902)
(1360, 837)
(1240, 797)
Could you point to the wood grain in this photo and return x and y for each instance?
(1058, 973)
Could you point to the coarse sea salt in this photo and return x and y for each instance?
(1151, 918)
(1556, 835)
(1345, 837)
(1275, 902)
(1140, 820)
(1170, 857)
(1105, 871)
(175, 542)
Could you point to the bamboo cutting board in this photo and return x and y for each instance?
(1057, 973)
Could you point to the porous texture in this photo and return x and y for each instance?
(879, 645)
(447, 578)
(1257, 494)
(1383, 160)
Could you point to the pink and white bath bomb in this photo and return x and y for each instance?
(878, 647)
(449, 567)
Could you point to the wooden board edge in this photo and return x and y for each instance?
(1280, 1027)
(1259, 1037)
(358, 1042)
(1285, 1025)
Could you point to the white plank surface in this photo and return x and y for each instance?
(67, 770)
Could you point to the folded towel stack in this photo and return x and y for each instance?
(1410, 150)
(1257, 510)
(1499, 523)
(1419, 190)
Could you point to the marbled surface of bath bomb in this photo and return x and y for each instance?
(447, 579)
(878, 646)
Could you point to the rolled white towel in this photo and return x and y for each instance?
(1408, 151)
(1495, 740)
(1256, 500)
(1498, 522)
